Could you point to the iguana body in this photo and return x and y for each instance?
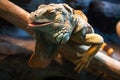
(59, 24)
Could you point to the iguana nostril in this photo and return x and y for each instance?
(35, 15)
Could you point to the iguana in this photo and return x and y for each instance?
(59, 24)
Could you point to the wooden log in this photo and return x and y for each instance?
(101, 62)
(14, 14)
(19, 17)
(13, 46)
(108, 64)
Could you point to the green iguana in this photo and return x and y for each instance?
(59, 24)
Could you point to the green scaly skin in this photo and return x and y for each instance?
(57, 24)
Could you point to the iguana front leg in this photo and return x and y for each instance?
(86, 36)
(86, 57)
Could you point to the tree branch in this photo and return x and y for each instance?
(14, 14)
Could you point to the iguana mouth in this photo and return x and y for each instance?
(38, 24)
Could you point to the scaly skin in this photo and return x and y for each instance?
(59, 24)
(53, 26)
(83, 34)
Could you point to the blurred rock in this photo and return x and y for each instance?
(33, 5)
(106, 8)
(79, 4)
(113, 1)
(53, 1)
(103, 16)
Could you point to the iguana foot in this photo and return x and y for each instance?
(81, 63)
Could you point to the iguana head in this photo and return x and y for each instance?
(54, 20)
